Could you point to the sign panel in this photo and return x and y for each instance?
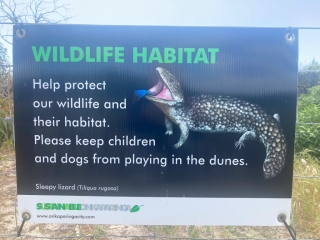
(192, 125)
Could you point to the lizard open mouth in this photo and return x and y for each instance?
(161, 90)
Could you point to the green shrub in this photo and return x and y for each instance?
(308, 135)
(5, 107)
(6, 131)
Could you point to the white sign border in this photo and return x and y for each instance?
(161, 210)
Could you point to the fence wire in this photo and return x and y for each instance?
(151, 232)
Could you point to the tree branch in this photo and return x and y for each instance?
(34, 11)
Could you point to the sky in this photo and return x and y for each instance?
(235, 13)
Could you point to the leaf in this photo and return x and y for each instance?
(135, 208)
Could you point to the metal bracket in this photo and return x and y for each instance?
(26, 217)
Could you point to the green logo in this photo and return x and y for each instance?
(87, 207)
(135, 208)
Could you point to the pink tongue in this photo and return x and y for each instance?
(157, 88)
(165, 94)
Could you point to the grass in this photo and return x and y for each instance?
(193, 232)
(6, 131)
(92, 230)
(306, 196)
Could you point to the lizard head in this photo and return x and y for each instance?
(167, 90)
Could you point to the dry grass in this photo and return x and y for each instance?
(215, 232)
(306, 196)
(305, 207)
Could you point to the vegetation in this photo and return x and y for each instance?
(306, 196)
(308, 126)
(20, 12)
(6, 100)
(6, 131)
(308, 78)
(32, 11)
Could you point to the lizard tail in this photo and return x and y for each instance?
(275, 143)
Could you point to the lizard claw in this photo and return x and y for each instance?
(169, 132)
(249, 135)
(176, 145)
(239, 145)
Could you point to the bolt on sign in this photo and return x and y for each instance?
(192, 125)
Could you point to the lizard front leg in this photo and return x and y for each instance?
(168, 126)
(249, 135)
(184, 134)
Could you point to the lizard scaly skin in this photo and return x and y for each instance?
(223, 114)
